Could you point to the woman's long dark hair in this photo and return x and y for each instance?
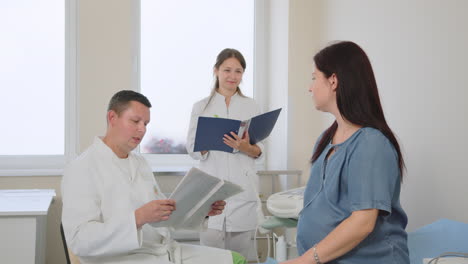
(357, 96)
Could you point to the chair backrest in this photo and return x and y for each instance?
(71, 258)
(64, 244)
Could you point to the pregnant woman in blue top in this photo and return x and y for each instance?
(352, 211)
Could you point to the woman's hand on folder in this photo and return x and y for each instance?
(242, 144)
(217, 208)
(154, 211)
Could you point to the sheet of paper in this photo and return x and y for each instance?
(194, 195)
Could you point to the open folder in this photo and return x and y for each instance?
(194, 195)
(211, 130)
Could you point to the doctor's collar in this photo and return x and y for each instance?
(236, 94)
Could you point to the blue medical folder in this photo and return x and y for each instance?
(211, 130)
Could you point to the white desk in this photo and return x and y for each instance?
(23, 223)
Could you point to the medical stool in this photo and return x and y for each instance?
(434, 239)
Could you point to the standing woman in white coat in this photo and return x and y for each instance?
(234, 227)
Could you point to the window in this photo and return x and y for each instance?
(179, 44)
(36, 83)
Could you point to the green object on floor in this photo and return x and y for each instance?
(238, 258)
(274, 221)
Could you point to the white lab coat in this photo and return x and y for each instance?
(100, 194)
(240, 213)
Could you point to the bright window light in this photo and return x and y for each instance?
(32, 77)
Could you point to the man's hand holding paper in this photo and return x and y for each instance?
(154, 211)
(198, 194)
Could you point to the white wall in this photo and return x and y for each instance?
(106, 60)
(276, 84)
(292, 39)
(419, 52)
(304, 123)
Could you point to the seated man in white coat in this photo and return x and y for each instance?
(110, 194)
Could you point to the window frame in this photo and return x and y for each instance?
(183, 162)
(52, 165)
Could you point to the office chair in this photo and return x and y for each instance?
(71, 258)
(64, 242)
